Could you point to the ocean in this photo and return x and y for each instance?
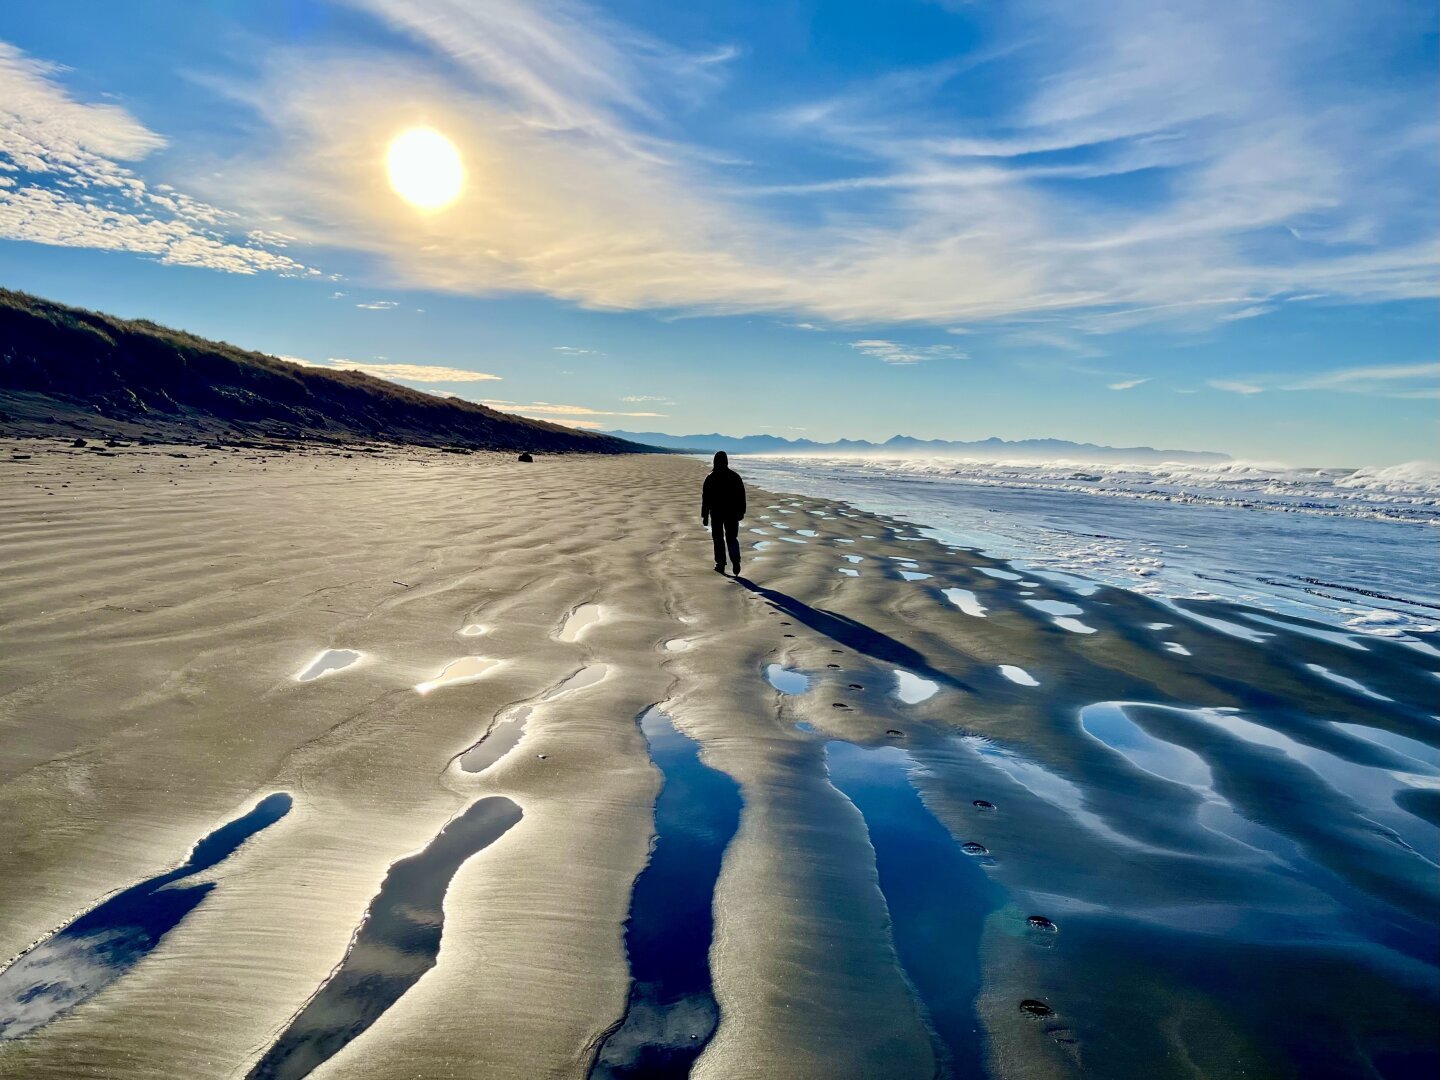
(1358, 549)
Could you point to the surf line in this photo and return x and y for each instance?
(671, 1013)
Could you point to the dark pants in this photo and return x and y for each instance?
(725, 534)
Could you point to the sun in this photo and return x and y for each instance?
(425, 168)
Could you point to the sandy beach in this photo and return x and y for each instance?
(1126, 783)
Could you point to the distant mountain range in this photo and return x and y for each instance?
(987, 449)
(66, 371)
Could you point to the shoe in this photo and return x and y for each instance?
(719, 568)
(736, 570)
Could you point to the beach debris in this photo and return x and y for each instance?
(525, 457)
(79, 442)
(400, 583)
(838, 705)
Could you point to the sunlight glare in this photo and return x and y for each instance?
(425, 168)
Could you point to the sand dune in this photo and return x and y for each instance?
(936, 864)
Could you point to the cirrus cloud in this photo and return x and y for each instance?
(1267, 183)
(67, 188)
(894, 352)
(408, 373)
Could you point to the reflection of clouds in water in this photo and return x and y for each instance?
(99, 946)
(966, 601)
(1047, 786)
(1370, 787)
(912, 689)
(650, 1026)
(62, 972)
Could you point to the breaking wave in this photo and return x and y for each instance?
(1409, 492)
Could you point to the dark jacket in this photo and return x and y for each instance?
(723, 496)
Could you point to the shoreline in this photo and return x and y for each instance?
(158, 611)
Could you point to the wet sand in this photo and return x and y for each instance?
(1202, 848)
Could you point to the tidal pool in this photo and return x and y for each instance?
(966, 601)
(671, 1013)
(88, 954)
(912, 689)
(329, 662)
(578, 621)
(466, 669)
(1018, 675)
(785, 680)
(938, 896)
(397, 943)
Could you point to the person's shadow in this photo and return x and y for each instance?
(855, 635)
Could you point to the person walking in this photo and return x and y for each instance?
(722, 507)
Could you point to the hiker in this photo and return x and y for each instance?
(722, 505)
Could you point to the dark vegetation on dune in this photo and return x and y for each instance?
(67, 370)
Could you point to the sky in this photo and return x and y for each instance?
(1190, 225)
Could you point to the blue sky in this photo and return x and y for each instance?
(1193, 225)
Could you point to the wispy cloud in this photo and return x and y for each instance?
(67, 187)
(571, 350)
(1128, 384)
(895, 352)
(378, 305)
(1252, 312)
(1377, 380)
(1272, 165)
(1274, 182)
(1409, 380)
(409, 373)
(635, 399)
(576, 415)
